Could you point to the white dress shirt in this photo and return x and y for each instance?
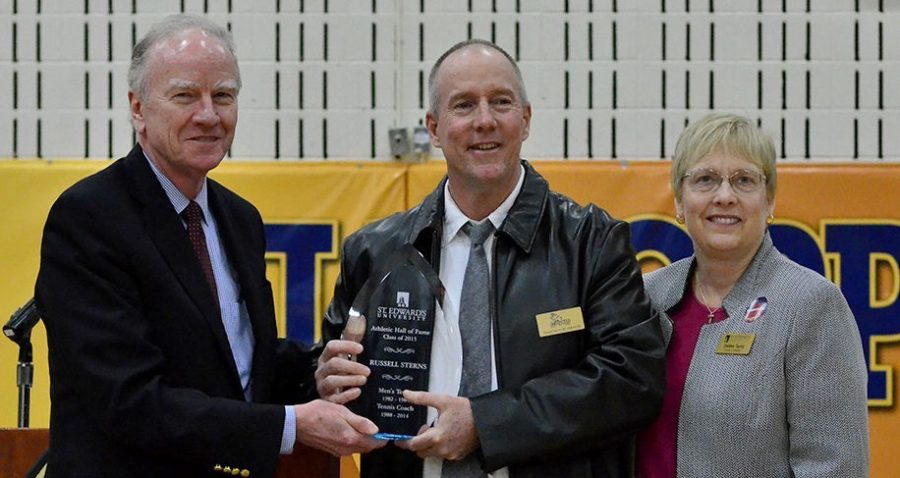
(446, 345)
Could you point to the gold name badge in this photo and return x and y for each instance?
(735, 344)
(560, 321)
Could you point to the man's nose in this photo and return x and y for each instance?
(484, 116)
(206, 111)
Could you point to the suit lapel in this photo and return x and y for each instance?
(167, 232)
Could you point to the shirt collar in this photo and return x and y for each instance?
(454, 218)
(176, 197)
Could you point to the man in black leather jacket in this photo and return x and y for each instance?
(564, 402)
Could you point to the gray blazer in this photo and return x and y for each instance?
(796, 405)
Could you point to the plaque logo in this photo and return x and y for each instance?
(402, 299)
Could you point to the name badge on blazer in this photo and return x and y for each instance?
(735, 344)
(560, 321)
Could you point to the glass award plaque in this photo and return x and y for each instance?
(396, 309)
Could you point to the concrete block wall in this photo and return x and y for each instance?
(326, 79)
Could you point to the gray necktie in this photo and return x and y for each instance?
(475, 331)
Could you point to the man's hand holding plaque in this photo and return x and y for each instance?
(338, 376)
(453, 435)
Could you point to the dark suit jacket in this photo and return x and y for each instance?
(143, 382)
(567, 404)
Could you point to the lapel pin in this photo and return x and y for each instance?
(756, 309)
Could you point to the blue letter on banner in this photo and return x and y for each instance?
(304, 245)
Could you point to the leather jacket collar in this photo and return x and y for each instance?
(521, 223)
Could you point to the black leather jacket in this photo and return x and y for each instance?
(567, 404)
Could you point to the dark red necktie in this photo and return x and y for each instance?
(193, 216)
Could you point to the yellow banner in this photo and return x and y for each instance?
(840, 219)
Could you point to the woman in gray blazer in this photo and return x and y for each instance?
(765, 370)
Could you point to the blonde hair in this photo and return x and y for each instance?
(724, 133)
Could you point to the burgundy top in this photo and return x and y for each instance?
(657, 444)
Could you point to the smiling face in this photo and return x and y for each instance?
(185, 123)
(480, 121)
(725, 224)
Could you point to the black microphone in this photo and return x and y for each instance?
(18, 329)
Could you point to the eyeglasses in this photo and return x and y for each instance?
(709, 180)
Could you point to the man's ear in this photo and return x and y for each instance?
(431, 123)
(526, 116)
(137, 112)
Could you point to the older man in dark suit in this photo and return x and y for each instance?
(164, 359)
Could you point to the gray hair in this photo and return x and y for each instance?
(138, 76)
(432, 77)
